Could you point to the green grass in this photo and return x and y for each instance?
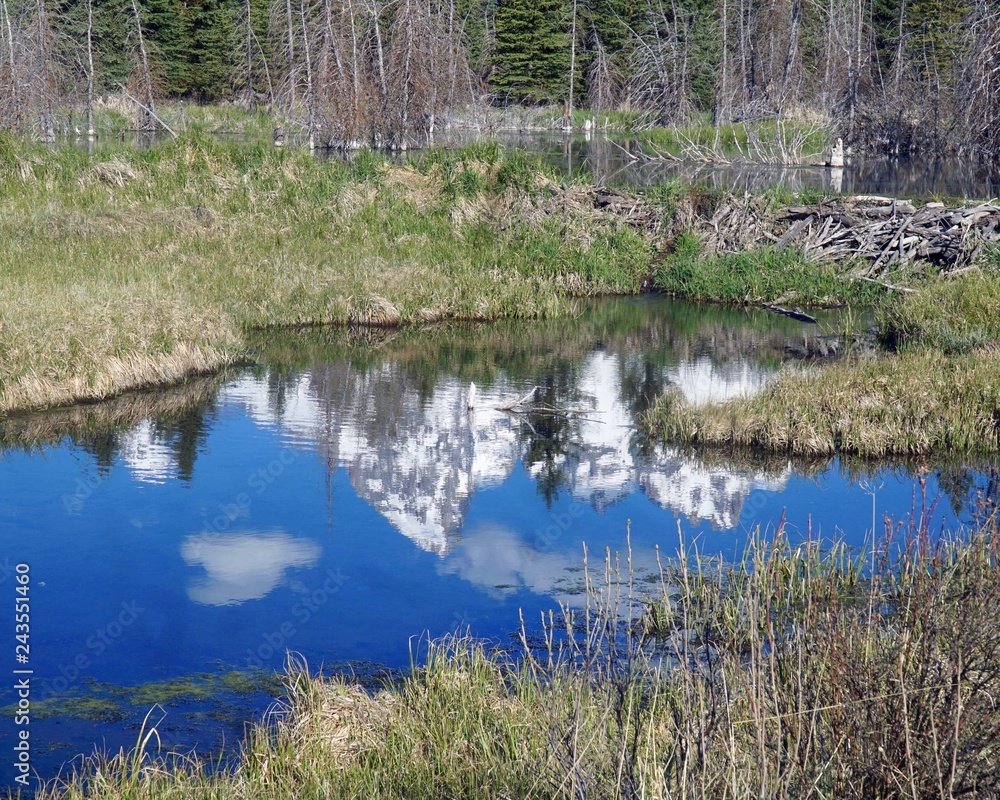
(127, 268)
(794, 672)
(912, 403)
(757, 276)
(956, 315)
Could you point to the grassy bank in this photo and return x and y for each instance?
(906, 404)
(937, 392)
(127, 268)
(957, 315)
(796, 672)
(762, 275)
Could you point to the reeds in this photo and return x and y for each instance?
(800, 670)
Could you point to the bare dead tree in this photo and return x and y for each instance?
(41, 80)
(312, 124)
(12, 101)
(373, 72)
(977, 101)
(791, 57)
(572, 62)
(254, 73)
(145, 78)
(603, 85)
(90, 69)
(659, 70)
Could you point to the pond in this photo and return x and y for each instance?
(339, 500)
(616, 159)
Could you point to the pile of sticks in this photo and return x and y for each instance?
(633, 211)
(882, 232)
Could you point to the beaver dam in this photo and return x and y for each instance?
(882, 234)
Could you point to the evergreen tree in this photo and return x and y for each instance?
(112, 56)
(935, 35)
(165, 28)
(532, 51)
(209, 33)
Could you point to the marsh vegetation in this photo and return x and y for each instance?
(136, 268)
(797, 670)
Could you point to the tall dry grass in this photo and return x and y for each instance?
(127, 268)
(799, 671)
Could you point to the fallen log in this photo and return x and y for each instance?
(794, 313)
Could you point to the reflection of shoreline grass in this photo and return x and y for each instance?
(90, 421)
(794, 671)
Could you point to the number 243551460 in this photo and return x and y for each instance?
(22, 612)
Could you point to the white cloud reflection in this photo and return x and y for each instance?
(243, 566)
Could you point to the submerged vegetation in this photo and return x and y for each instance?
(105, 702)
(797, 671)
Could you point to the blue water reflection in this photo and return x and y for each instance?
(340, 499)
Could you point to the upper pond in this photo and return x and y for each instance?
(339, 500)
(616, 159)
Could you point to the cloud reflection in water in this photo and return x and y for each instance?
(243, 566)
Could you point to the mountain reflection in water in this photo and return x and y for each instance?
(416, 453)
(339, 499)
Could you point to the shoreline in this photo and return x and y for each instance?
(140, 269)
(904, 629)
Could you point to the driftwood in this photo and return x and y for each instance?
(519, 402)
(523, 408)
(794, 313)
(881, 233)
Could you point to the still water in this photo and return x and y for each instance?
(338, 499)
(619, 160)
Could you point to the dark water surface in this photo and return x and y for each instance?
(610, 159)
(339, 499)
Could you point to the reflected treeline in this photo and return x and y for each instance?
(391, 409)
(167, 425)
(606, 159)
(664, 332)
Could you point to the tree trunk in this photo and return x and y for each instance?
(146, 76)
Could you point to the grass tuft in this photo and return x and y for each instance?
(908, 404)
(956, 315)
(795, 671)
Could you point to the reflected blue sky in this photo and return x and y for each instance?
(339, 499)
